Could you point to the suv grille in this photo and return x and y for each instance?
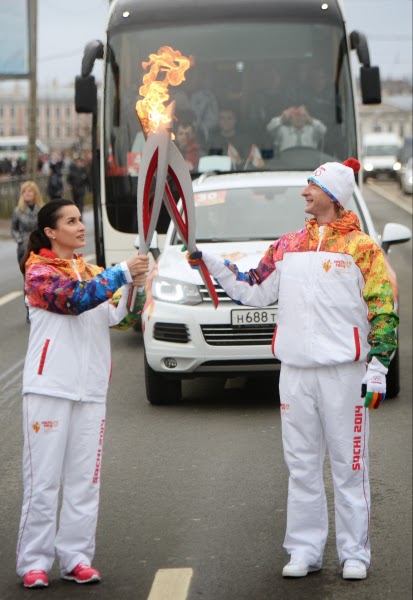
(171, 332)
(222, 296)
(227, 335)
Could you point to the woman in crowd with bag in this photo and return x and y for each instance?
(24, 218)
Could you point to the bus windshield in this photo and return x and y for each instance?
(258, 96)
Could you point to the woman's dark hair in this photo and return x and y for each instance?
(47, 217)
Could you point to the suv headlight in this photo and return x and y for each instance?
(178, 292)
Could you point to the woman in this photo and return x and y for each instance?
(24, 218)
(67, 370)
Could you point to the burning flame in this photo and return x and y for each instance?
(152, 110)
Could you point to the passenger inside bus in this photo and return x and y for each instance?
(295, 127)
(187, 144)
(228, 139)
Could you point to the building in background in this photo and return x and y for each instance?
(393, 115)
(58, 124)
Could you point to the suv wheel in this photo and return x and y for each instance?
(160, 389)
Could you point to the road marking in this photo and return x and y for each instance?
(404, 204)
(8, 396)
(17, 365)
(171, 584)
(9, 297)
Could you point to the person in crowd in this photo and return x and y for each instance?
(24, 217)
(66, 374)
(296, 128)
(54, 182)
(228, 140)
(186, 142)
(78, 181)
(335, 337)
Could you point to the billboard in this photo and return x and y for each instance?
(14, 39)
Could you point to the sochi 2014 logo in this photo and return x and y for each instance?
(327, 265)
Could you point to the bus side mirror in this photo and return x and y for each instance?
(370, 85)
(369, 76)
(86, 95)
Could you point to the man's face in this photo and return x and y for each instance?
(318, 202)
(183, 134)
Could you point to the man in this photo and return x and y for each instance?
(227, 140)
(78, 182)
(187, 144)
(336, 312)
(296, 128)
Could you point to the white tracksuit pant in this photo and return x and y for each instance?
(63, 443)
(319, 407)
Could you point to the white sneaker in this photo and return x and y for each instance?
(297, 569)
(354, 569)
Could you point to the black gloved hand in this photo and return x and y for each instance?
(194, 259)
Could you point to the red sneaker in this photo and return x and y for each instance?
(35, 579)
(83, 574)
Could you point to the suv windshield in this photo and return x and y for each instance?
(261, 213)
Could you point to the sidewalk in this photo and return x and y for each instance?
(5, 229)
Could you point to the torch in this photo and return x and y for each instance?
(161, 158)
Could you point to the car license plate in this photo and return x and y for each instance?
(255, 316)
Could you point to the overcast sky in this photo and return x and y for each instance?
(65, 26)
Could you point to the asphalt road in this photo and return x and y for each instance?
(202, 485)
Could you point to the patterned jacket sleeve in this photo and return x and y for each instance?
(122, 318)
(49, 289)
(378, 296)
(256, 287)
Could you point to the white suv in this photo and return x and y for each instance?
(238, 215)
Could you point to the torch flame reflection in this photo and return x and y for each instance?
(151, 109)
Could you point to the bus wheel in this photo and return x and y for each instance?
(160, 389)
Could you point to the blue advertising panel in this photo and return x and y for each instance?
(14, 38)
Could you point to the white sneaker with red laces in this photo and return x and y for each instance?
(35, 579)
(83, 574)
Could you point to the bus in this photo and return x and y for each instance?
(258, 60)
(15, 147)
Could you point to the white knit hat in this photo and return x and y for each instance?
(337, 179)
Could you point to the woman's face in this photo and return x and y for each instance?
(29, 196)
(69, 233)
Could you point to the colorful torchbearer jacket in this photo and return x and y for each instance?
(335, 303)
(72, 305)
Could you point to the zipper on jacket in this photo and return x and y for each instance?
(320, 236)
(75, 270)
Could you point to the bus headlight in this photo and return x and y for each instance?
(397, 166)
(178, 292)
(368, 166)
